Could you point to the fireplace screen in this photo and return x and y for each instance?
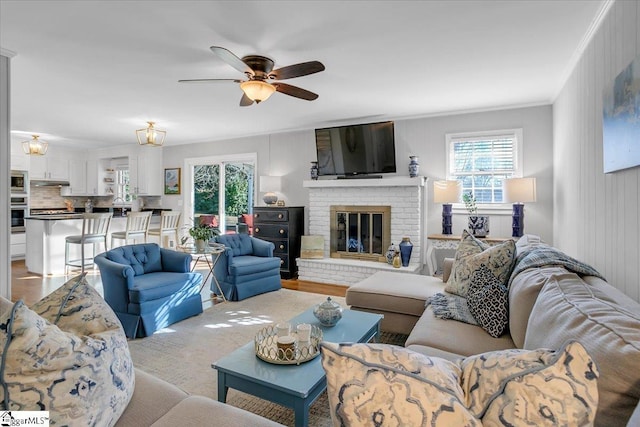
(361, 232)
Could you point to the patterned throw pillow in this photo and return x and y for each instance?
(500, 259)
(488, 301)
(532, 387)
(79, 370)
(375, 384)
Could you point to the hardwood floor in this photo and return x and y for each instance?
(32, 287)
(316, 288)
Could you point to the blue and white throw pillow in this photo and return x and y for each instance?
(488, 301)
(532, 387)
(472, 253)
(377, 384)
(68, 356)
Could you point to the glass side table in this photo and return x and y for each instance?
(211, 255)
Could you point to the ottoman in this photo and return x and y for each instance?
(400, 297)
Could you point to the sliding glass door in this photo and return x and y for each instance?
(221, 190)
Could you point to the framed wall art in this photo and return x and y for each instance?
(621, 120)
(172, 181)
(312, 247)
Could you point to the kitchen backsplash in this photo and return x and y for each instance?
(50, 198)
(45, 198)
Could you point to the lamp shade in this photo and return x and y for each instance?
(257, 90)
(270, 183)
(519, 190)
(447, 191)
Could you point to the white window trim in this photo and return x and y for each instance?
(486, 208)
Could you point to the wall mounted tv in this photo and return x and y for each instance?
(356, 150)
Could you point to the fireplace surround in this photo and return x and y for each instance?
(404, 197)
(360, 232)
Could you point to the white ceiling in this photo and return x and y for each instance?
(89, 73)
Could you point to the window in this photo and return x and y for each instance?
(482, 160)
(122, 184)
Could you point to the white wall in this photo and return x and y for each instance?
(5, 166)
(290, 154)
(426, 138)
(284, 154)
(596, 215)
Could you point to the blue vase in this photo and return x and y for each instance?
(313, 171)
(414, 166)
(479, 225)
(405, 251)
(390, 253)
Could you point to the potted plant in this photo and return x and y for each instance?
(202, 233)
(478, 224)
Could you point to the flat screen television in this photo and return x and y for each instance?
(356, 149)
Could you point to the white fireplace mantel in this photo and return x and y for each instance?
(401, 181)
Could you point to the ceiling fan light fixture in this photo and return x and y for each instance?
(257, 90)
(35, 146)
(151, 136)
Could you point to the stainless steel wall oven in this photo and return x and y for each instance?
(19, 210)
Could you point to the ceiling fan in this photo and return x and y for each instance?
(259, 70)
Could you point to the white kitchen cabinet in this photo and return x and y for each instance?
(92, 177)
(18, 245)
(52, 166)
(145, 172)
(77, 176)
(19, 160)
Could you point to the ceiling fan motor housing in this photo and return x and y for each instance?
(261, 65)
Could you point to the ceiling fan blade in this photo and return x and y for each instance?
(297, 70)
(295, 91)
(209, 80)
(231, 59)
(245, 101)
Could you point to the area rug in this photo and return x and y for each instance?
(183, 353)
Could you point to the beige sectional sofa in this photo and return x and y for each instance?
(547, 306)
(157, 403)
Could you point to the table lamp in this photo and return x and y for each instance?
(519, 191)
(447, 192)
(269, 185)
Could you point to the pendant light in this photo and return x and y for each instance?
(151, 136)
(35, 146)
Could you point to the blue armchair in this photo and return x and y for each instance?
(148, 287)
(247, 267)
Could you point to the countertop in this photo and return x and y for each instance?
(55, 217)
(117, 213)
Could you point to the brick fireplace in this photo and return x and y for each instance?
(404, 197)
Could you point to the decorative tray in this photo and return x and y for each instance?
(267, 349)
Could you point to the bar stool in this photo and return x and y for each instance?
(95, 227)
(137, 227)
(169, 223)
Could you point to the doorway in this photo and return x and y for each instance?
(221, 190)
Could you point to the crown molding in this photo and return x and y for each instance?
(597, 21)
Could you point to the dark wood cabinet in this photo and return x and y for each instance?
(283, 226)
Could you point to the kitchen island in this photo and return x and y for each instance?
(46, 240)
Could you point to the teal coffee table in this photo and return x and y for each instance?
(294, 386)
